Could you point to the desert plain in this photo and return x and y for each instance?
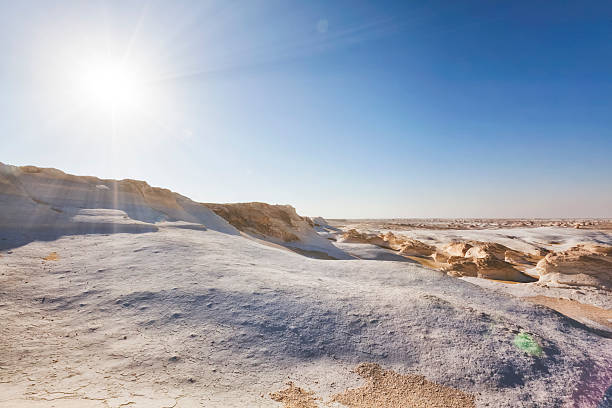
(114, 293)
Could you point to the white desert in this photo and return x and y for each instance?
(116, 293)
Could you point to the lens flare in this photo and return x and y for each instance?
(108, 84)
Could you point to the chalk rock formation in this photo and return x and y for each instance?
(272, 221)
(461, 267)
(412, 247)
(320, 222)
(323, 228)
(518, 258)
(393, 241)
(42, 199)
(582, 265)
(405, 246)
(353, 236)
(277, 223)
(456, 248)
(487, 267)
(480, 259)
(439, 257)
(486, 249)
(541, 251)
(493, 268)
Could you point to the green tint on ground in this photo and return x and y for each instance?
(528, 344)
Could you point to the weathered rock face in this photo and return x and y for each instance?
(461, 267)
(393, 241)
(487, 267)
(493, 268)
(439, 257)
(456, 248)
(481, 259)
(518, 258)
(280, 224)
(353, 236)
(582, 265)
(486, 249)
(273, 221)
(49, 199)
(320, 222)
(405, 246)
(412, 247)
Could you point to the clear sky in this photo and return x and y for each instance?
(340, 108)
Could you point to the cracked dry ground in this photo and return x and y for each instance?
(188, 318)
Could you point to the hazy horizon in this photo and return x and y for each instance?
(343, 110)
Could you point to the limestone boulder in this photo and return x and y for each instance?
(581, 265)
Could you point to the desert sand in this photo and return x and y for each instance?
(131, 295)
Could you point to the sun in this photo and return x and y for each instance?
(110, 85)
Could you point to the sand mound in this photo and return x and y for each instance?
(279, 224)
(295, 397)
(581, 265)
(53, 256)
(384, 389)
(388, 389)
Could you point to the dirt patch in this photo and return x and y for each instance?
(575, 310)
(388, 389)
(295, 397)
(53, 256)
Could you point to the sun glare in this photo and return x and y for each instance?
(110, 85)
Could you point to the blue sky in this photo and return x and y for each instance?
(342, 109)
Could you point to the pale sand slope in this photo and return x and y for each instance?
(181, 317)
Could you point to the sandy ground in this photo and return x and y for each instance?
(184, 317)
(586, 304)
(385, 388)
(576, 310)
(116, 293)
